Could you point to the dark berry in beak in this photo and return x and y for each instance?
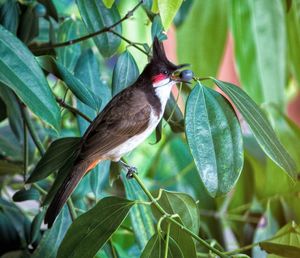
(186, 75)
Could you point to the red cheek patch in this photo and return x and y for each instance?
(158, 78)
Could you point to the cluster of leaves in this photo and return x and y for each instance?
(43, 76)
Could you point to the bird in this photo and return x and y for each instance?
(125, 122)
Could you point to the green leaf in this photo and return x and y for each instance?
(266, 228)
(157, 30)
(183, 13)
(287, 244)
(96, 17)
(10, 168)
(167, 11)
(14, 227)
(140, 215)
(9, 16)
(293, 37)
(201, 38)
(215, 139)
(20, 71)
(54, 158)
(68, 30)
(260, 127)
(25, 195)
(61, 176)
(29, 24)
(13, 110)
(156, 247)
(183, 205)
(53, 237)
(125, 72)
(91, 231)
(87, 70)
(260, 49)
(35, 229)
(10, 148)
(83, 93)
(174, 116)
(108, 3)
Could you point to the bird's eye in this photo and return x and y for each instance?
(165, 72)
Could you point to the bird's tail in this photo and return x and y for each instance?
(65, 190)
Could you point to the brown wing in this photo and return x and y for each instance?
(126, 115)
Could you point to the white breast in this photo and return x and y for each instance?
(162, 90)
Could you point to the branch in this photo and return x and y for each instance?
(172, 220)
(75, 111)
(96, 33)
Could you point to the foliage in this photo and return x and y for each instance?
(220, 175)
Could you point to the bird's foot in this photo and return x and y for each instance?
(130, 170)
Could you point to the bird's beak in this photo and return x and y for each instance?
(175, 75)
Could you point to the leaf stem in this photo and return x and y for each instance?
(75, 111)
(167, 240)
(32, 131)
(96, 33)
(25, 150)
(71, 208)
(172, 220)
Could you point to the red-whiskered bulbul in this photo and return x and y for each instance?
(126, 121)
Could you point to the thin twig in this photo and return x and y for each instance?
(75, 111)
(129, 42)
(96, 33)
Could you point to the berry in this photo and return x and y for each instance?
(186, 75)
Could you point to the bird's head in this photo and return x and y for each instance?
(160, 69)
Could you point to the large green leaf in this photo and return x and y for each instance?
(260, 48)
(156, 247)
(91, 231)
(184, 206)
(287, 244)
(83, 93)
(96, 17)
(68, 30)
(261, 128)
(9, 16)
(215, 139)
(293, 36)
(167, 11)
(54, 158)
(201, 38)
(140, 215)
(125, 72)
(13, 110)
(53, 237)
(20, 71)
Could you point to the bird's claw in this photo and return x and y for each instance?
(130, 172)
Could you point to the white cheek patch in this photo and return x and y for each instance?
(162, 83)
